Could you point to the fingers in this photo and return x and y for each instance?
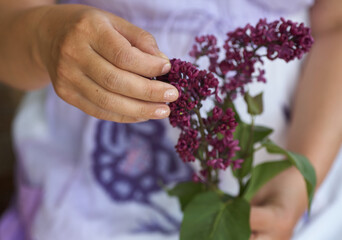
(120, 104)
(114, 47)
(77, 89)
(93, 110)
(125, 83)
(99, 70)
(77, 100)
(138, 37)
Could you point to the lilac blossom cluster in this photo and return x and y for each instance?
(245, 48)
(206, 46)
(194, 86)
(222, 125)
(210, 139)
(212, 135)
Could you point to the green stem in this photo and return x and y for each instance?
(201, 126)
(247, 154)
(241, 187)
(204, 141)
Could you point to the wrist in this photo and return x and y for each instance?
(286, 191)
(53, 24)
(43, 34)
(292, 184)
(21, 48)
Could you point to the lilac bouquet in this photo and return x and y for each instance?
(220, 140)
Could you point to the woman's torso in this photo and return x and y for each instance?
(92, 179)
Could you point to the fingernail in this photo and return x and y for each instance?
(170, 95)
(166, 68)
(161, 113)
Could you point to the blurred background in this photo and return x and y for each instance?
(9, 101)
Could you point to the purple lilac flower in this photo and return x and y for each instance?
(211, 139)
(223, 145)
(188, 143)
(194, 86)
(206, 46)
(282, 39)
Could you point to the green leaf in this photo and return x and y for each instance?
(208, 217)
(242, 133)
(254, 104)
(260, 133)
(186, 191)
(300, 162)
(246, 142)
(262, 173)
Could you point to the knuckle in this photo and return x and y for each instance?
(83, 22)
(83, 26)
(111, 80)
(78, 30)
(149, 91)
(147, 37)
(123, 57)
(65, 75)
(67, 48)
(104, 39)
(142, 111)
(103, 101)
(61, 71)
(61, 90)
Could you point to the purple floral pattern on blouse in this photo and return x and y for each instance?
(132, 161)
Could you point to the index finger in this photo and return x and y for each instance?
(114, 47)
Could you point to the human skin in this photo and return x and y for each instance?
(96, 61)
(315, 130)
(102, 76)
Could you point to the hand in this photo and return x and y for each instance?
(278, 206)
(98, 63)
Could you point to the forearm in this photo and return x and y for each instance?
(19, 62)
(316, 128)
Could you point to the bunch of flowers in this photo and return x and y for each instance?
(219, 139)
